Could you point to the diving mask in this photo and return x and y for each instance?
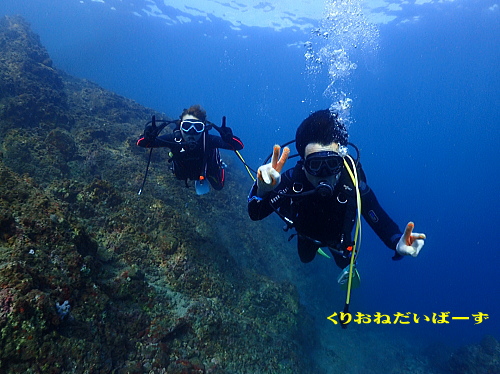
(323, 164)
(192, 126)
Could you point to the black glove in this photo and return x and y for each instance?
(225, 132)
(150, 133)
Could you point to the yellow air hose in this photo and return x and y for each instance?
(357, 233)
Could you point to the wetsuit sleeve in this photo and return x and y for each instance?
(232, 143)
(383, 225)
(260, 207)
(166, 140)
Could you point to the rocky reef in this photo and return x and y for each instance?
(96, 279)
(482, 358)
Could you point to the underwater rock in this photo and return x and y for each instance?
(30, 88)
(62, 141)
(490, 345)
(154, 283)
(483, 358)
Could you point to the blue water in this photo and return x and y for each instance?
(425, 117)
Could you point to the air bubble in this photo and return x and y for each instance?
(343, 31)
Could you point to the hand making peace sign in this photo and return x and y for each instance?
(268, 176)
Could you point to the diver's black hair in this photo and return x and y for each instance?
(322, 127)
(196, 111)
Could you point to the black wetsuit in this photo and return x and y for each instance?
(190, 160)
(324, 222)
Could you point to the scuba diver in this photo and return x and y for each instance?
(194, 153)
(323, 196)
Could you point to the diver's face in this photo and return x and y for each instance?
(192, 135)
(316, 147)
